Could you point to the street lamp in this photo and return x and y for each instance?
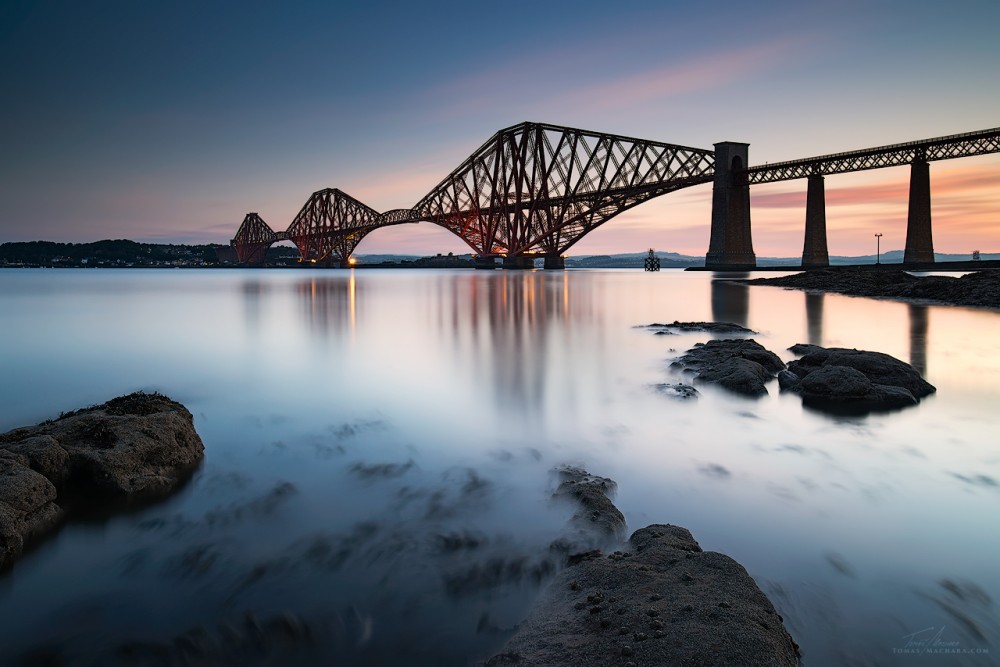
(878, 248)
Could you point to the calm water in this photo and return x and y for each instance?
(471, 386)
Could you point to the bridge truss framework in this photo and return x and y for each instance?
(536, 189)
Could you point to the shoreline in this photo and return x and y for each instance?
(979, 289)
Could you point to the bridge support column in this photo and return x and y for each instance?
(814, 251)
(555, 262)
(519, 262)
(489, 262)
(730, 246)
(919, 244)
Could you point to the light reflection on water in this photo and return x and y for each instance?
(471, 386)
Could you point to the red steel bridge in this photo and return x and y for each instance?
(536, 189)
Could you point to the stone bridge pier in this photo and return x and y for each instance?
(919, 243)
(730, 246)
(814, 250)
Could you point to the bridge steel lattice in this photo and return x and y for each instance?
(252, 239)
(537, 189)
(969, 144)
(326, 230)
(330, 225)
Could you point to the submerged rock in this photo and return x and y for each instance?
(740, 365)
(134, 447)
(694, 327)
(679, 391)
(852, 381)
(27, 506)
(662, 602)
(659, 601)
(597, 519)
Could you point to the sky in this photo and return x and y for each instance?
(168, 122)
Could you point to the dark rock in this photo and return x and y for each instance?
(836, 382)
(787, 379)
(680, 391)
(27, 506)
(597, 519)
(739, 375)
(973, 289)
(852, 381)
(878, 367)
(698, 327)
(746, 632)
(718, 350)
(133, 447)
(740, 365)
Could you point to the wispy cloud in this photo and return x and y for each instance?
(556, 82)
(698, 73)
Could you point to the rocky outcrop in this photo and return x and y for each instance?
(597, 521)
(134, 447)
(973, 289)
(740, 365)
(678, 391)
(659, 601)
(697, 327)
(852, 381)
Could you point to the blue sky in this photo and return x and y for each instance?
(169, 121)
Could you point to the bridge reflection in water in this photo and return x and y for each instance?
(731, 300)
(329, 305)
(731, 303)
(513, 335)
(508, 327)
(918, 337)
(814, 317)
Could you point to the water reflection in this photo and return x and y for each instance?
(814, 317)
(730, 301)
(391, 500)
(329, 304)
(516, 326)
(252, 292)
(918, 337)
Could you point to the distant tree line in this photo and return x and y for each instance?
(104, 252)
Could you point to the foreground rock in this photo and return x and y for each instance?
(134, 447)
(741, 365)
(980, 289)
(660, 601)
(852, 381)
(596, 521)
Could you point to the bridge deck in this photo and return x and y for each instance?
(968, 144)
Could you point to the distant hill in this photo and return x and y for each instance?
(676, 260)
(381, 259)
(632, 260)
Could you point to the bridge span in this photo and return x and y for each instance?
(535, 189)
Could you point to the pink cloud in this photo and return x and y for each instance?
(561, 82)
(698, 73)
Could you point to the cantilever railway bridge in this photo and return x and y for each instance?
(535, 189)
